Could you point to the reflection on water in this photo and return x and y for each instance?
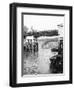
(37, 56)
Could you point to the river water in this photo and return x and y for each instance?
(38, 62)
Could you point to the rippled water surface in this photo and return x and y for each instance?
(38, 62)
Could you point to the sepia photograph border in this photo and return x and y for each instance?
(13, 45)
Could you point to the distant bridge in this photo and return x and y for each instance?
(42, 33)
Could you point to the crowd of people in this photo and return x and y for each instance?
(31, 45)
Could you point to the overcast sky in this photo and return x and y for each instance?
(40, 22)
